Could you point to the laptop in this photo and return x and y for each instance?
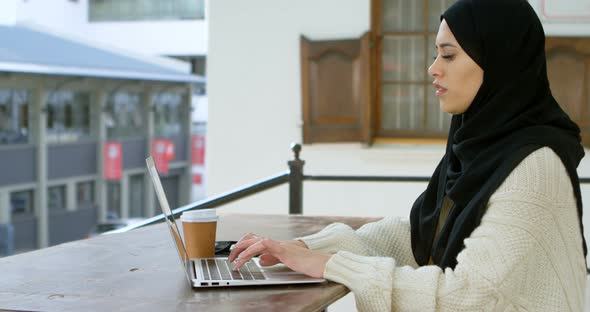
(217, 272)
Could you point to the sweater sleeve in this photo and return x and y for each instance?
(368, 240)
(523, 256)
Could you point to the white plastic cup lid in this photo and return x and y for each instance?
(203, 215)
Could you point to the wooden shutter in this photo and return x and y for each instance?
(568, 68)
(336, 90)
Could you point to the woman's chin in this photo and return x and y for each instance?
(450, 109)
(445, 107)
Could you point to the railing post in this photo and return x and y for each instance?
(296, 181)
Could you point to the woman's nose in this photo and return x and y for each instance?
(434, 70)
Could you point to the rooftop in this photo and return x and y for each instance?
(26, 50)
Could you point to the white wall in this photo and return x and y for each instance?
(62, 15)
(563, 27)
(255, 99)
(153, 37)
(8, 12)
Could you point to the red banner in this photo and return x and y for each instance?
(163, 153)
(198, 149)
(197, 178)
(169, 154)
(112, 153)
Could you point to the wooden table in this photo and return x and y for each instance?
(140, 271)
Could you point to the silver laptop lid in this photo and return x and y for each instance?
(176, 237)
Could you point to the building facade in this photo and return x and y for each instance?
(174, 28)
(76, 124)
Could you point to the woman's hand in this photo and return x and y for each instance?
(251, 239)
(295, 257)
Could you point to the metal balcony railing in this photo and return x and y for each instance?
(294, 177)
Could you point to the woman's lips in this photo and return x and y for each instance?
(439, 90)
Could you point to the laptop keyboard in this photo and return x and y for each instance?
(220, 269)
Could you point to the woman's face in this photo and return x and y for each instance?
(457, 77)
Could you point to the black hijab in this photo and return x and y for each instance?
(512, 115)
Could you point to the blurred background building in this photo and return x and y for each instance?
(88, 89)
(173, 29)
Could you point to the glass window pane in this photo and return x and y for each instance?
(81, 112)
(136, 188)
(85, 194)
(113, 200)
(435, 9)
(403, 59)
(125, 115)
(14, 116)
(403, 107)
(56, 198)
(403, 15)
(168, 117)
(68, 116)
(137, 10)
(21, 202)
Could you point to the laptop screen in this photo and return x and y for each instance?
(176, 237)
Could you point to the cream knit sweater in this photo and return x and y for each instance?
(526, 255)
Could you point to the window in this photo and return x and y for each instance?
(68, 116)
(377, 85)
(405, 31)
(113, 200)
(199, 89)
(22, 202)
(405, 34)
(168, 117)
(14, 116)
(140, 10)
(125, 115)
(56, 198)
(401, 100)
(85, 194)
(136, 205)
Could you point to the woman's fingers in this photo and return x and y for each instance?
(241, 245)
(251, 238)
(264, 246)
(244, 242)
(296, 258)
(246, 255)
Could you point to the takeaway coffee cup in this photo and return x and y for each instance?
(199, 227)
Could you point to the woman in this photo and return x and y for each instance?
(499, 225)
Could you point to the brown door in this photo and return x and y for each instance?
(336, 90)
(568, 61)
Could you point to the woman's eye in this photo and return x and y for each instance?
(446, 57)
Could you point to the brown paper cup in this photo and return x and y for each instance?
(199, 234)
